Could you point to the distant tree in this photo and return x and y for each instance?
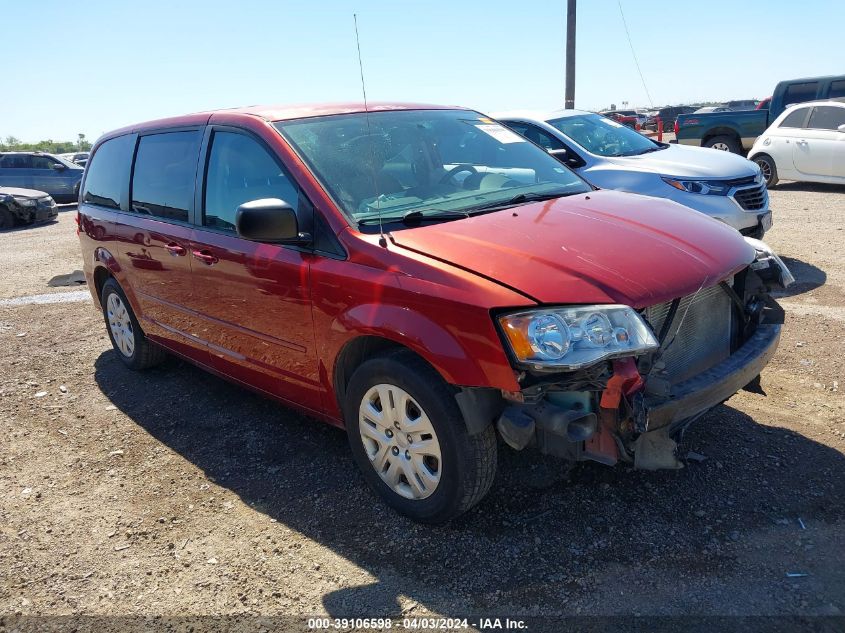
(13, 143)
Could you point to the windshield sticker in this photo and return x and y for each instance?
(501, 134)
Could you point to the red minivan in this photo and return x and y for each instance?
(427, 279)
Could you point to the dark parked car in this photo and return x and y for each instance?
(25, 206)
(669, 114)
(427, 279)
(625, 117)
(44, 172)
(77, 158)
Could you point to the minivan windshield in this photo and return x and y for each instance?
(604, 137)
(425, 165)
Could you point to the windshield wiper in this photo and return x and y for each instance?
(521, 198)
(416, 217)
(645, 151)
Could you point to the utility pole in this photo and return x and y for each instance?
(569, 99)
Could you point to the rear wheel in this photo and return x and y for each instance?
(768, 169)
(7, 220)
(410, 441)
(127, 338)
(724, 143)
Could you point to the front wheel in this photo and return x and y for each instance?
(724, 143)
(410, 441)
(767, 168)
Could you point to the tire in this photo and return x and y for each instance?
(768, 167)
(122, 326)
(724, 143)
(7, 220)
(465, 464)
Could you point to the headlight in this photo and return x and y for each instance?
(712, 187)
(578, 336)
(766, 258)
(25, 202)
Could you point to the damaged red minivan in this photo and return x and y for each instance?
(426, 279)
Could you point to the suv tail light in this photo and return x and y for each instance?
(677, 127)
(78, 221)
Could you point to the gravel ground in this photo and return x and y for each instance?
(173, 492)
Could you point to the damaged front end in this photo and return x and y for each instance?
(584, 397)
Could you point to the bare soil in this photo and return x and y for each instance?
(172, 492)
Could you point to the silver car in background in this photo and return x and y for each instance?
(609, 155)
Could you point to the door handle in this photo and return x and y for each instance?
(175, 249)
(801, 142)
(206, 257)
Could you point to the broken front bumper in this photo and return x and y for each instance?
(713, 386)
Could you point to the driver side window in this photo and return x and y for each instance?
(239, 170)
(42, 162)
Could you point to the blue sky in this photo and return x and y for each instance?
(95, 65)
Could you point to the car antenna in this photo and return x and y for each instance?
(382, 239)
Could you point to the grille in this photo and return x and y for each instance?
(702, 339)
(753, 198)
(738, 182)
(45, 202)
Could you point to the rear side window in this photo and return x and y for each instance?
(826, 118)
(240, 170)
(837, 89)
(799, 93)
(795, 118)
(107, 173)
(16, 161)
(163, 176)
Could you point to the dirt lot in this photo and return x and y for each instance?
(172, 492)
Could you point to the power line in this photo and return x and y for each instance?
(636, 62)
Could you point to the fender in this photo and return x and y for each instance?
(462, 361)
(103, 258)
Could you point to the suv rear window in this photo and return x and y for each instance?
(837, 89)
(799, 93)
(107, 173)
(164, 173)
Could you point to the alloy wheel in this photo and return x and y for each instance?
(721, 146)
(765, 169)
(400, 441)
(120, 325)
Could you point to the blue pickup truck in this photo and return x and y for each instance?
(736, 131)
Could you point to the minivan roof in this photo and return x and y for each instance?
(279, 113)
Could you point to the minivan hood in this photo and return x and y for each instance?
(689, 162)
(601, 247)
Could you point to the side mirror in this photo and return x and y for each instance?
(841, 128)
(563, 155)
(269, 220)
(58, 166)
